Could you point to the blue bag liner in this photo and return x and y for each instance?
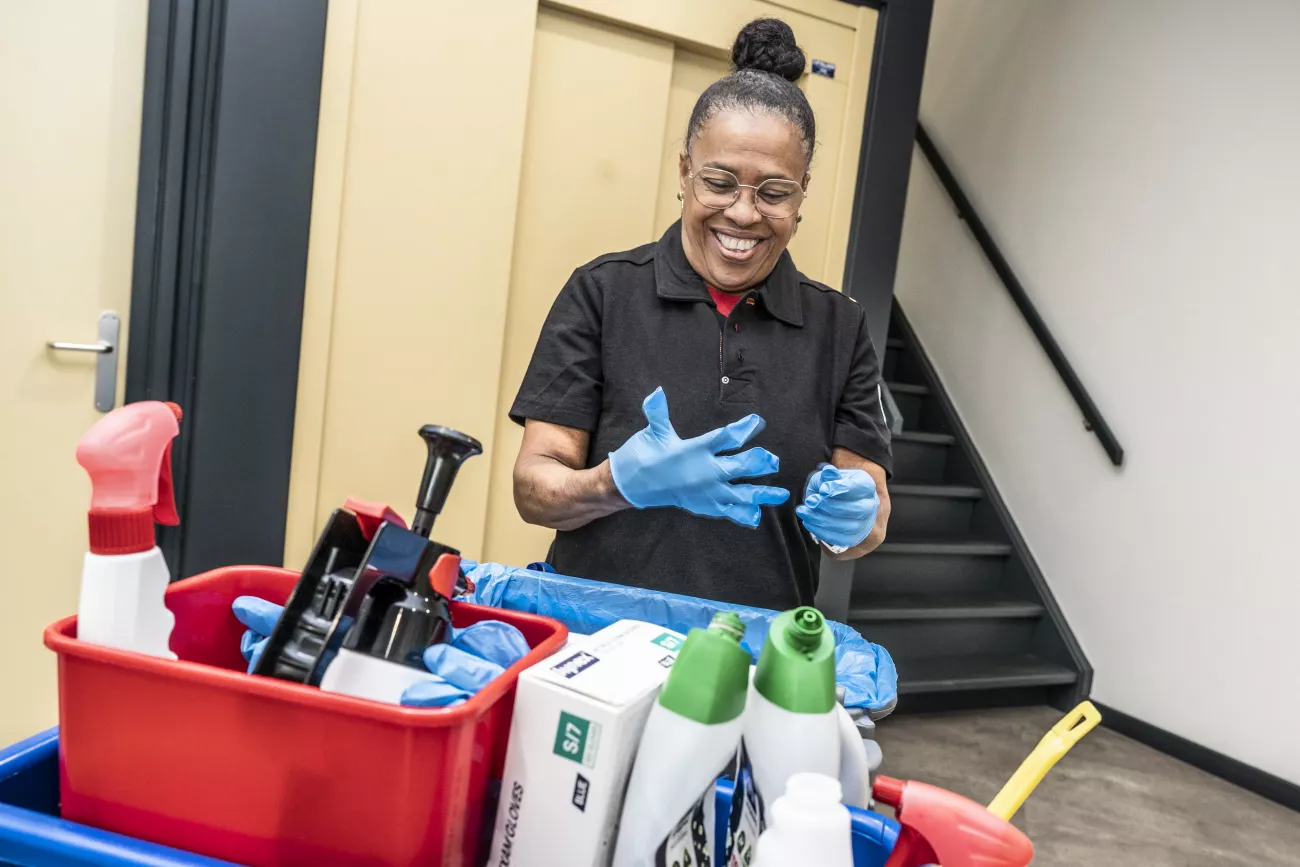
(864, 670)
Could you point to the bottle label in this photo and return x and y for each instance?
(748, 814)
(687, 844)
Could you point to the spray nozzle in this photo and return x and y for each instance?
(806, 627)
(394, 582)
(448, 449)
(127, 454)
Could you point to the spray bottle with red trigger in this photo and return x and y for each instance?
(128, 456)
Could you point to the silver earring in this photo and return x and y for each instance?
(798, 218)
(679, 195)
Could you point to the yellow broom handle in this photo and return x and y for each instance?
(1055, 744)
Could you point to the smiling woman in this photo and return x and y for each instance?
(732, 236)
(715, 322)
(751, 130)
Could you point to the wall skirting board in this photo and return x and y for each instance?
(1238, 773)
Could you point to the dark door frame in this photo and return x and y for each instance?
(893, 101)
(884, 168)
(227, 154)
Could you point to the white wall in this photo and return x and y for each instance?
(1140, 165)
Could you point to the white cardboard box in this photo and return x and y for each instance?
(577, 723)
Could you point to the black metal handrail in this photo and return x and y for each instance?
(1092, 417)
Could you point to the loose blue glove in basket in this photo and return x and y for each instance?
(473, 658)
(864, 670)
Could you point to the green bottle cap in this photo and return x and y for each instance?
(709, 680)
(728, 623)
(796, 668)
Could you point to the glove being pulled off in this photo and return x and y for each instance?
(839, 507)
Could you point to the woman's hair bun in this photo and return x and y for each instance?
(768, 45)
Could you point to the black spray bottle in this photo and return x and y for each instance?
(393, 585)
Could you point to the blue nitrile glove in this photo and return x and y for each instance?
(476, 654)
(260, 616)
(658, 468)
(839, 506)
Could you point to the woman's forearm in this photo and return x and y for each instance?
(551, 494)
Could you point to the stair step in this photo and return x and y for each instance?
(918, 566)
(978, 671)
(954, 492)
(909, 388)
(897, 363)
(943, 607)
(931, 511)
(915, 627)
(924, 437)
(915, 402)
(945, 548)
(920, 456)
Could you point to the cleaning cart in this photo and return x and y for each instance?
(937, 827)
(32, 833)
(212, 766)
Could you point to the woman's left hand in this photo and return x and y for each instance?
(839, 506)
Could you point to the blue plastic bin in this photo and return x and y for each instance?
(33, 835)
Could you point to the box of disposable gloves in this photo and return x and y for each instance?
(577, 722)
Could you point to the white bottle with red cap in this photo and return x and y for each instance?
(128, 456)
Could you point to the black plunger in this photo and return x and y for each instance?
(448, 449)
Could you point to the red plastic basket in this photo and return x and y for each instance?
(198, 755)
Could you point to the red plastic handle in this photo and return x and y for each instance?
(370, 514)
(443, 575)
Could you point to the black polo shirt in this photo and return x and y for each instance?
(794, 351)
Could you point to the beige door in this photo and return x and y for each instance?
(469, 157)
(71, 82)
(603, 200)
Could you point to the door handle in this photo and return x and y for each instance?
(80, 347)
(110, 328)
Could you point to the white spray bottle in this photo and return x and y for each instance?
(808, 825)
(690, 737)
(792, 725)
(128, 456)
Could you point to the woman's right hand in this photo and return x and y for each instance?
(656, 467)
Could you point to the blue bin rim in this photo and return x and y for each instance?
(33, 839)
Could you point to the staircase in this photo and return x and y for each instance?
(953, 593)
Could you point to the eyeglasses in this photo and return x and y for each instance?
(719, 189)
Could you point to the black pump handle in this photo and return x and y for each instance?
(448, 449)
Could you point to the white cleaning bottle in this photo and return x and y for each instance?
(128, 456)
(807, 825)
(791, 723)
(690, 737)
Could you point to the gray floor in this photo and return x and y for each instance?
(1111, 801)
